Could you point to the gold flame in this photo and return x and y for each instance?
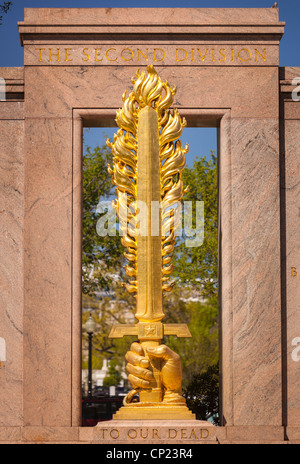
(148, 90)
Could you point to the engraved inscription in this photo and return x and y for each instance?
(147, 433)
(197, 55)
(294, 272)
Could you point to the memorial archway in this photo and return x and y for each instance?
(226, 66)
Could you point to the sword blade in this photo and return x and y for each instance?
(149, 261)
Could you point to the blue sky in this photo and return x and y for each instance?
(11, 52)
(200, 140)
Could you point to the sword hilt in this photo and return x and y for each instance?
(153, 394)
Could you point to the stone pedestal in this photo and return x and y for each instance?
(168, 433)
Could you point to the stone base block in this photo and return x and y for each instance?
(155, 432)
(149, 432)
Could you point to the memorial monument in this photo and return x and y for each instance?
(225, 65)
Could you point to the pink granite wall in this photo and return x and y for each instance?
(11, 251)
(58, 83)
(242, 99)
(290, 155)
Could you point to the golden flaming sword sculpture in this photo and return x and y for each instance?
(147, 168)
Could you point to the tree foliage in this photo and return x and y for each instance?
(114, 374)
(102, 256)
(4, 8)
(197, 267)
(107, 309)
(102, 259)
(202, 394)
(194, 300)
(200, 351)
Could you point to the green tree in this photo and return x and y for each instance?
(197, 267)
(202, 394)
(106, 310)
(114, 374)
(202, 350)
(4, 8)
(102, 259)
(195, 299)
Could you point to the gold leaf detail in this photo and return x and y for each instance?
(148, 90)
